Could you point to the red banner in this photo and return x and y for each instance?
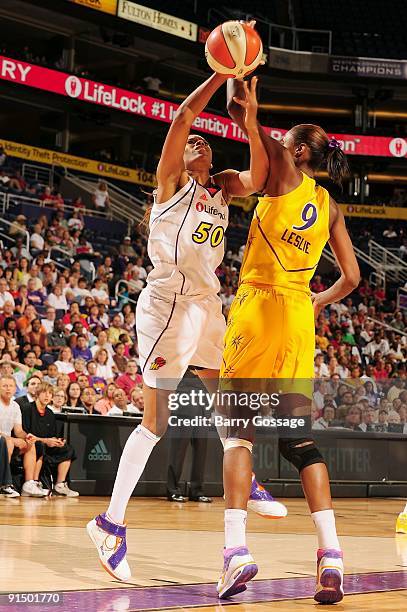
(116, 98)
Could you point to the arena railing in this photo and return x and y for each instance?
(395, 267)
(377, 277)
(129, 285)
(12, 240)
(14, 199)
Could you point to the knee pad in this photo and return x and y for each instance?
(236, 442)
(300, 452)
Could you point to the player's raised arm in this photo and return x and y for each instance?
(171, 165)
(282, 169)
(345, 257)
(252, 180)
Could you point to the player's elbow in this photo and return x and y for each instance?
(352, 279)
(183, 116)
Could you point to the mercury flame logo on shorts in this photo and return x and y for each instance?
(158, 362)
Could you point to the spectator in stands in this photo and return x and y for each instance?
(35, 296)
(82, 349)
(328, 416)
(103, 368)
(119, 403)
(99, 293)
(73, 396)
(101, 197)
(56, 340)
(51, 375)
(64, 363)
(37, 242)
(49, 322)
(19, 249)
(368, 420)
(390, 232)
(37, 335)
(353, 418)
(58, 400)
(136, 405)
(17, 439)
(104, 404)
(119, 358)
(88, 399)
(5, 295)
(379, 371)
(320, 368)
(57, 299)
(130, 379)
(398, 321)
(42, 426)
(126, 249)
(152, 84)
(17, 182)
(115, 329)
(18, 229)
(79, 368)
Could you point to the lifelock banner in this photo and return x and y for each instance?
(53, 81)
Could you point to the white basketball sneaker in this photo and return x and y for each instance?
(110, 541)
(263, 503)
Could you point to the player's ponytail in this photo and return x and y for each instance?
(324, 152)
(144, 224)
(336, 162)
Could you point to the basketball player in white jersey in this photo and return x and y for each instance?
(179, 313)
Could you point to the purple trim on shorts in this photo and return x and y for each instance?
(161, 334)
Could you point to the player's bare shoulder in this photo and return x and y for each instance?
(334, 212)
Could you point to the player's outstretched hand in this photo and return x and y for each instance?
(249, 103)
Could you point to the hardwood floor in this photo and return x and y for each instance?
(175, 551)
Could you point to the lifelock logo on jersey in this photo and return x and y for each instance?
(211, 210)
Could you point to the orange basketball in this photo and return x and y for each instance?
(233, 48)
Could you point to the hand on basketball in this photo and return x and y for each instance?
(249, 104)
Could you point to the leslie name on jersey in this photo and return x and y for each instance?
(296, 240)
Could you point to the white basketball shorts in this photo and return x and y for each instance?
(176, 332)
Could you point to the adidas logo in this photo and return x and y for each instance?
(99, 452)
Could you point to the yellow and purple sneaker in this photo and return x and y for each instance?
(109, 539)
(238, 568)
(401, 524)
(329, 587)
(263, 503)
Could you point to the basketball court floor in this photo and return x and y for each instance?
(175, 552)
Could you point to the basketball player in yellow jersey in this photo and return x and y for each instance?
(271, 331)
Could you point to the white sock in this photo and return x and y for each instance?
(135, 455)
(324, 521)
(235, 528)
(405, 509)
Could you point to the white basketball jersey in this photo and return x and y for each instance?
(186, 241)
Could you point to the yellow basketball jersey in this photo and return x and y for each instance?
(286, 237)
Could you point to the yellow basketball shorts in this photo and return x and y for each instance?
(270, 334)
